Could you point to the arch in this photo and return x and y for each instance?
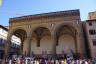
(41, 34)
(66, 44)
(40, 30)
(40, 26)
(20, 33)
(70, 26)
(69, 30)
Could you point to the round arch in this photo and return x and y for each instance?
(66, 33)
(21, 33)
(42, 42)
(39, 30)
(17, 33)
(67, 25)
(43, 26)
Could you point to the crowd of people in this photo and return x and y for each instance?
(32, 60)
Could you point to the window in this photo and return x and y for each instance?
(90, 23)
(94, 42)
(12, 44)
(1, 41)
(57, 43)
(16, 45)
(92, 32)
(38, 43)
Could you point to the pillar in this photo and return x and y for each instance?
(79, 45)
(21, 48)
(77, 53)
(25, 47)
(29, 44)
(28, 41)
(54, 45)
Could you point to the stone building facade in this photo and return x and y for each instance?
(89, 27)
(92, 15)
(3, 38)
(53, 33)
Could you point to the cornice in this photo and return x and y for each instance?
(91, 20)
(67, 13)
(3, 27)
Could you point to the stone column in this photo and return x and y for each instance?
(26, 43)
(79, 46)
(21, 48)
(29, 45)
(29, 48)
(54, 45)
(77, 53)
(75, 39)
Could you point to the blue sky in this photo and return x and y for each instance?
(15, 8)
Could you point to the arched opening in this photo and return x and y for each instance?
(16, 40)
(66, 44)
(66, 40)
(41, 43)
